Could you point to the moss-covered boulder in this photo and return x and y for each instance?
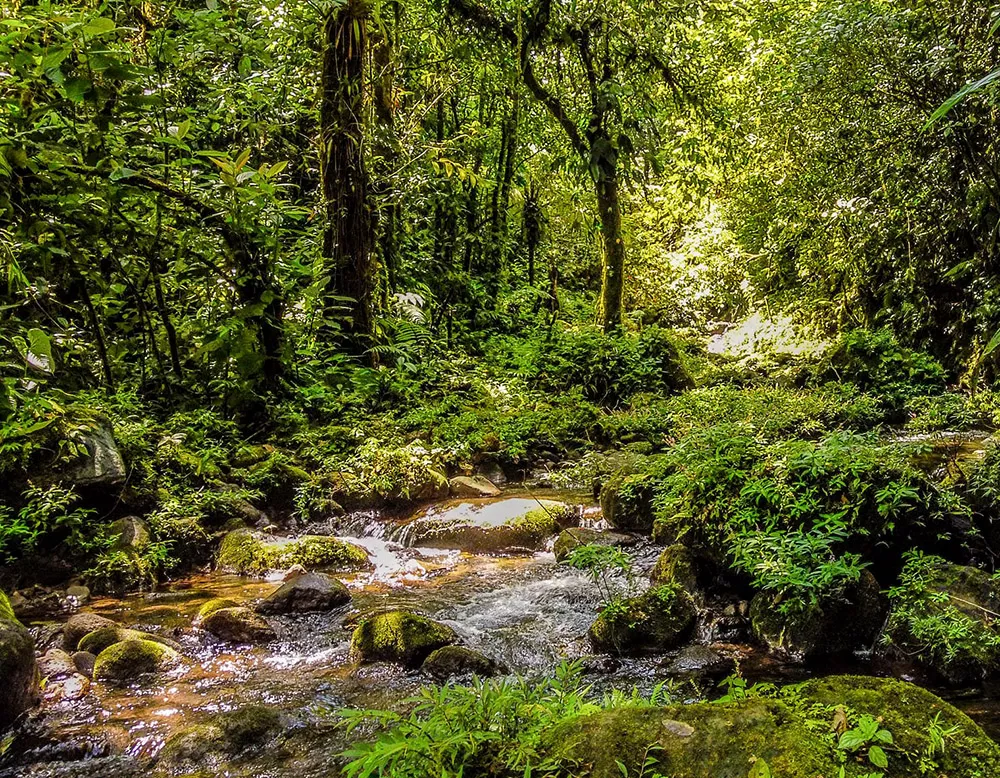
(454, 661)
(80, 625)
(244, 551)
(945, 615)
(627, 501)
(574, 537)
(399, 636)
(133, 659)
(98, 640)
(307, 592)
(676, 564)
(661, 618)
(472, 486)
(489, 528)
(223, 736)
(793, 737)
(18, 668)
(213, 605)
(130, 533)
(239, 625)
(847, 623)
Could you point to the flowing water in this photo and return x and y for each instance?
(524, 611)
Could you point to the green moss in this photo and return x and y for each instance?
(676, 564)
(659, 619)
(95, 642)
(213, 605)
(227, 734)
(243, 552)
(627, 501)
(6, 610)
(399, 636)
(131, 659)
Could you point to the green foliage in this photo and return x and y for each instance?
(608, 567)
(47, 517)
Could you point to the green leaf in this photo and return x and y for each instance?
(76, 88)
(99, 26)
(877, 757)
(39, 354)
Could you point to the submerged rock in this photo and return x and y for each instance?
(700, 662)
(80, 625)
(308, 592)
(472, 486)
(661, 618)
(490, 528)
(575, 537)
(399, 636)
(840, 626)
(452, 661)
(711, 740)
(18, 668)
(239, 625)
(246, 552)
(132, 659)
(225, 735)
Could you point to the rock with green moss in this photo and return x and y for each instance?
(239, 625)
(306, 592)
(213, 605)
(399, 636)
(130, 532)
(661, 618)
(676, 564)
(223, 736)
(98, 640)
(490, 528)
(627, 501)
(790, 735)
(574, 537)
(18, 669)
(133, 659)
(453, 661)
(847, 623)
(245, 552)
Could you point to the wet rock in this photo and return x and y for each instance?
(490, 528)
(84, 661)
(293, 572)
(627, 502)
(225, 735)
(711, 740)
(599, 664)
(213, 605)
(98, 640)
(399, 636)
(78, 593)
(38, 603)
(452, 661)
(80, 625)
(18, 668)
(67, 688)
(678, 565)
(132, 659)
(131, 534)
(472, 486)
(46, 636)
(847, 624)
(575, 537)
(103, 464)
(243, 551)
(239, 625)
(308, 592)
(56, 663)
(700, 662)
(661, 618)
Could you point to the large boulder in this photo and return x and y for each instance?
(131, 534)
(676, 564)
(19, 689)
(574, 537)
(472, 486)
(790, 737)
(627, 501)
(399, 636)
(661, 618)
(102, 465)
(494, 527)
(308, 592)
(133, 659)
(837, 626)
(239, 625)
(222, 737)
(453, 661)
(248, 553)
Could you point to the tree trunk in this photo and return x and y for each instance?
(348, 238)
(613, 264)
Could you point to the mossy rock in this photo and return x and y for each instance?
(213, 605)
(399, 636)
(19, 681)
(661, 618)
(472, 486)
(98, 640)
(792, 736)
(225, 735)
(80, 625)
(133, 659)
(570, 539)
(239, 625)
(306, 592)
(676, 564)
(490, 528)
(848, 623)
(453, 661)
(244, 552)
(627, 502)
